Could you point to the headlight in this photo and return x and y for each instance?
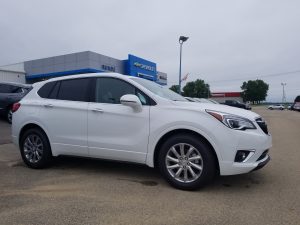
(232, 121)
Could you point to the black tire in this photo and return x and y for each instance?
(9, 115)
(209, 166)
(45, 156)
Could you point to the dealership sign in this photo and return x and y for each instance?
(145, 67)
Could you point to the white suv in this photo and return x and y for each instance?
(117, 117)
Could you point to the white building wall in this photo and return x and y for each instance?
(13, 73)
(9, 76)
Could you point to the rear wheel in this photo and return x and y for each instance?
(186, 162)
(35, 148)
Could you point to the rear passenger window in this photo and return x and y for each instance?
(73, 90)
(46, 89)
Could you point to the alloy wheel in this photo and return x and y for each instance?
(33, 148)
(184, 162)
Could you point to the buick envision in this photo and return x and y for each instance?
(117, 117)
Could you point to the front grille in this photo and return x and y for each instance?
(262, 124)
(263, 155)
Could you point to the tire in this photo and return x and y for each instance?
(186, 180)
(9, 115)
(35, 149)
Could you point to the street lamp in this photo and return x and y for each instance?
(181, 40)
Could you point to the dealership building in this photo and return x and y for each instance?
(80, 63)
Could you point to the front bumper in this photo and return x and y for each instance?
(262, 163)
(256, 141)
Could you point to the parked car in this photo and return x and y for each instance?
(237, 104)
(297, 104)
(11, 93)
(277, 106)
(291, 106)
(202, 100)
(213, 101)
(117, 117)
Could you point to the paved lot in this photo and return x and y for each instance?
(82, 191)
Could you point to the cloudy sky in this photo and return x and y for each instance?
(230, 41)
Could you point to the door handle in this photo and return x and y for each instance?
(98, 110)
(48, 105)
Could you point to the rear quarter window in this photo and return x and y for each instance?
(46, 89)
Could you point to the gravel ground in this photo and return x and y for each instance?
(85, 191)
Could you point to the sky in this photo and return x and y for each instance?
(229, 41)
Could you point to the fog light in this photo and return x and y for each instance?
(243, 155)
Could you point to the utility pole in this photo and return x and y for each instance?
(283, 93)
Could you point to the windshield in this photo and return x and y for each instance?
(159, 90)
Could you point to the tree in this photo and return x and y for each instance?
(196, 89)
(254, 90)
(175, 88)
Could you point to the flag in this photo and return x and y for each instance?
(185, 77)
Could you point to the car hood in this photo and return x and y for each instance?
(218, 107)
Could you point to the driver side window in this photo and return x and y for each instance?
(110, 90)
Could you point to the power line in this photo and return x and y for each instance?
(259, 76)
(252, 76)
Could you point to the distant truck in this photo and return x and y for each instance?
(237, 104)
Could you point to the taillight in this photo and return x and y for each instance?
(15, 107)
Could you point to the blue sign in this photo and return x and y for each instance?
(139, 67)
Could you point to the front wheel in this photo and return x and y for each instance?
(186, 162)
(35, 148)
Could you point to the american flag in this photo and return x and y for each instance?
(185, 77)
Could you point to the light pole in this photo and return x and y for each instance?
(283, 93)
(181, 40)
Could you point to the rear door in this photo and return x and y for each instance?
(116, 131)
(64, 113)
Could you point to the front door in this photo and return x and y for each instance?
(116, 131)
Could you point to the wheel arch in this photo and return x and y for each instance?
(183, 131)
(30, 126)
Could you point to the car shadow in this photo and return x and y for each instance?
(147, 176)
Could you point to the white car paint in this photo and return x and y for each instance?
(118, 131)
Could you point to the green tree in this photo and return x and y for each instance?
(175, 88)
(255, 91)
(196, 89)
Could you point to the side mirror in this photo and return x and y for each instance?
(132, 101)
